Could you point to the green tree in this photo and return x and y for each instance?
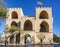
(59, 39)
(2, 12)
(13, 29)
(7, 29)
(2, 9)
(0, 36)
(56, 39)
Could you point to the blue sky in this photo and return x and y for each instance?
(29, 7)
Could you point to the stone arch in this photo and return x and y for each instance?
(13, 27)
(44, 27)
(43, 15)
(27, 38)
(14, 15)
(28, 25)
(12, 39)
(13, 23)
(18, 38)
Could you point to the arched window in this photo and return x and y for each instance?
(43, 15)
(14, 15)
(13, 23)
(27, 38)
(28, 25)
(44, 27)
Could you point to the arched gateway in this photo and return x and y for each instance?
(27, 39)
(26, 28)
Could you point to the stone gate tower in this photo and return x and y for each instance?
(34, 30)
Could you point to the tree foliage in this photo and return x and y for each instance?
(56, 38)
(13, 29)
(0, 36)
(7, 29)
(2, 12)
(2, 9)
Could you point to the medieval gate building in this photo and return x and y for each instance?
(30, 29)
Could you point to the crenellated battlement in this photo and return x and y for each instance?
(19, 11)
(36, 7)
(44, 7)
(14, 8)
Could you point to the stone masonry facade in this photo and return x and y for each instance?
(34, 30)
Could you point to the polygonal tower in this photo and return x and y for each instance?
(44, 23)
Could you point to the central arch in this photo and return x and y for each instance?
(28, 25)
(27, 38)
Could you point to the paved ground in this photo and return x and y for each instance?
(31, 46)
(27, 46)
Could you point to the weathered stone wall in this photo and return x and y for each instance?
(35, 23)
